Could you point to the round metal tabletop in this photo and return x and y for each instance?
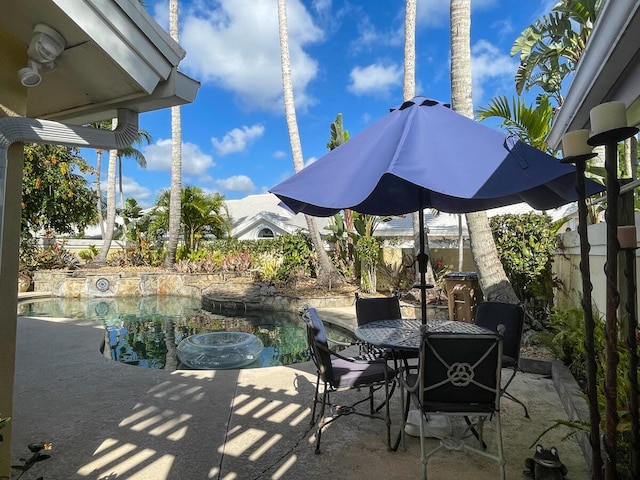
(405, 334)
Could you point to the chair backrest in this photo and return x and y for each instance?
(318, 344)
(377, 308)
(460, 372)
(492, 314)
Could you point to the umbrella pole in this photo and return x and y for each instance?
(423, 259)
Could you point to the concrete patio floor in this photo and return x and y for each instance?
(111, 421)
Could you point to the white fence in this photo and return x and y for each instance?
(566, 267)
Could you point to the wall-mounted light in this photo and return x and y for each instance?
(45, 46)
(29, 76)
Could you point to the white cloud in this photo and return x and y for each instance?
(234, 44)
(370, 38)
(194, 161)
(375, 78)
(237, 140)
(237, 183)
(280, 154)
(131, 188)
(490, 66)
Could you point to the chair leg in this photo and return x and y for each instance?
(321, 419)
(511, 397)
(423, 454)
(475, 432)
(514, 399)
(501, 459)
(404, 404)
(371, 407)
(315, 400)
(387, 414)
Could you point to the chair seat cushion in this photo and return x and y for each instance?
(352, 374)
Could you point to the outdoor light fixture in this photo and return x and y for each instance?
(46, 45)
(29, 76)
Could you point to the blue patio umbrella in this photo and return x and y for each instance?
(425, 155)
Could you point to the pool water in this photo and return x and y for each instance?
(145, 331)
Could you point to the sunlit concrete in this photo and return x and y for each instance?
(114, 421)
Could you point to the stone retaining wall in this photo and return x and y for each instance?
(219, 292)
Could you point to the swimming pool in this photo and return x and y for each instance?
(145, 331)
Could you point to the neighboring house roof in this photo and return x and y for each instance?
(251, 214)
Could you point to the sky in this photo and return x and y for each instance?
(346, 57)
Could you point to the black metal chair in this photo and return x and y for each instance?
(371, 309)
(459, 375)
(337, 374)
(511, 316)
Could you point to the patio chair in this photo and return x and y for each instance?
(337, 374)
(511, 316)
(371, 309)
(459, 375)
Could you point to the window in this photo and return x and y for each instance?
(266, 233)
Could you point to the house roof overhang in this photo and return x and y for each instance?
(609, 69)
(116, 56)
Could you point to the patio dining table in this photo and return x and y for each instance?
(403, 336)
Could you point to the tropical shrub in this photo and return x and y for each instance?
(139, 254)
(89, 253)
(526, 244)
(368, 252)
(53, 256)
(566, 338)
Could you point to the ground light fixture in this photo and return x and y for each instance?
(45, 47)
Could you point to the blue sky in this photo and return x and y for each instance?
(346, 58)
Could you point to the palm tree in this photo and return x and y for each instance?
(338, 136)
(491, 275)
(530, 124)
(132, 152)
(104, 125)
(408, 92)
(114, 159)
(107, 237)
(131, 214)
(201, 214)
(327, 272)
(176, 157)
(551, 47)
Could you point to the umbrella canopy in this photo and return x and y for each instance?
(425, 155)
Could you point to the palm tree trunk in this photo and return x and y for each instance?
(101, 258)
(99, 190)
(408, 92)
(327, 272)
(493, 280)
(120, 182)
(176, 158)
